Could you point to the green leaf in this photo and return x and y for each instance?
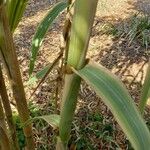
(145, 91)
(15, 10)
(43, 72)
(39, 75)
(32, 81)
(117, 98)
(52, 120)
(42, 30)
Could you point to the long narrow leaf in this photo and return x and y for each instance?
(39, 75)
(52, 120)
(42, 74)
(117, 98)
(15, 10)
(145, 90)
(42, 30)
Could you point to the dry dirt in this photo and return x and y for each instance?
(128, 62)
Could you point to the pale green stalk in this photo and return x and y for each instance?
(80, 32)
(79, 40)
(68, 106)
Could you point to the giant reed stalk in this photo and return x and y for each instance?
(9, 57)
(8, 112)
(2, 117)
(4, 141)
(79, 40)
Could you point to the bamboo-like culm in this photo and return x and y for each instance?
(83, 18)
(4, 140)
(2, 116)
(8, 112)
(9, 57)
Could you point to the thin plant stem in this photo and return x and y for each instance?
(8, 112)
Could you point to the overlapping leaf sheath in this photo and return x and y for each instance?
(78, 44)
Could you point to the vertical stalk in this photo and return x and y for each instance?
(9, 56)
(8, 112)
(79, 39)
(145, 90)
(2, 117)
(66, 30)
(4, 140)
(83, 18)
(68, 106)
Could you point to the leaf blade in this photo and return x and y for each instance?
(42, 30)
(117, 98)
(52, 120)
(39, 75)
(15, 10)
(145, 90)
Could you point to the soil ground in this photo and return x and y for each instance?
(129, 62)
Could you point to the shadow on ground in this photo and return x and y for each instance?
(143, 6)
